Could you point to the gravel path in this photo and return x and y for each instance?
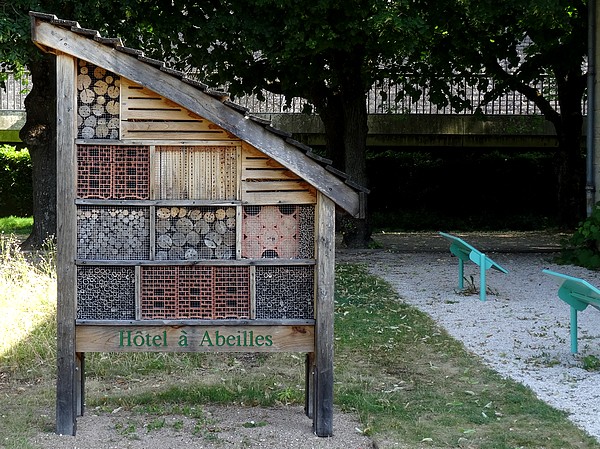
(521, 331)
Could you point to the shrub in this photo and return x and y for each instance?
(15, 182)
(583, 248)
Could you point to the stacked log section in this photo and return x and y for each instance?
(98, 106)
(113, 233)
(195, 292)
(105, 293)
(285, 292)
(195, 233)
(285, 231)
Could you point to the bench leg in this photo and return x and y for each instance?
(461, 274)
(573, 330)
(482, 287)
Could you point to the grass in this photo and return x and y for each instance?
(402, 375)
(16, 225)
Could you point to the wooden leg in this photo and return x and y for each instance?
(309, 397)
(80, 382)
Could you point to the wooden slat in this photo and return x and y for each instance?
(264, 198)
(146, 114)
(69, 383)
(249, 338)
(268, 173)
(47, 35)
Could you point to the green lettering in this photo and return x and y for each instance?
(269, 340)
(183, 341)
(157, 340)
(259, 340)
(206, 338)
(220, 339)
(231, 340)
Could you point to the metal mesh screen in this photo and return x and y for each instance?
(232, 292)
(285, 231)
(113, 233)
(117, 172)
(196, 172)
(105, 293)
(158, 293)
(195, 233)
(98, 106)
(285, 292)
(190, 292)
(196, 292)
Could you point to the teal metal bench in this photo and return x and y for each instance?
(578, 294)
(465, 252)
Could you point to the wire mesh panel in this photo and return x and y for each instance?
(158, 297)
(94, 173)
(192, 292)
(113, 233)
(196, 172)
(113, 172)
(98, 107)
(195, 233)
(196, 292)
(131, 172)
(285, 231)
(285, 292)
(105, 293)
(232, 292)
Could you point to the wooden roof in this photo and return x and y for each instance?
(53, 35)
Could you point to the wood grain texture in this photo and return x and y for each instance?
(249, 338)
(324, 308)
(68, 381)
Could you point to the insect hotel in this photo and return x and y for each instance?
(184, 224)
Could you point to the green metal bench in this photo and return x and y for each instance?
(578, 294)
(465, 252)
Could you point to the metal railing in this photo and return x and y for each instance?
(385, 99)
(12, 97)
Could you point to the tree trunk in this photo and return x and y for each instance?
(570, 156)
(39, 134)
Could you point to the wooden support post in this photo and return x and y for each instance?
(68, 386)
(80, 382)
(309, 385)
(325, 276)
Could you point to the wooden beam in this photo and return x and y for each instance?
(250, 338)
(69, 381)
(48, 35)
(324, 313)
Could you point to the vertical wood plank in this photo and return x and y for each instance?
(152, 178)
(152, 230)
(80, 382)
(309, 384)
(68, 385)
(325, 280)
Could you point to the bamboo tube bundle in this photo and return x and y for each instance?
(195, 233)
(111, 233)
(105, 293)
(98, 106)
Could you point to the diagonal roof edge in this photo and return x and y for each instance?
(50, 32)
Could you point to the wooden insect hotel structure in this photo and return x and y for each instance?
(184, 223)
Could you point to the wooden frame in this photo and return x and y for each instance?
(279, 175)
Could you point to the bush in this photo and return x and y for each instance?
(15, 182)
(583, 248)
